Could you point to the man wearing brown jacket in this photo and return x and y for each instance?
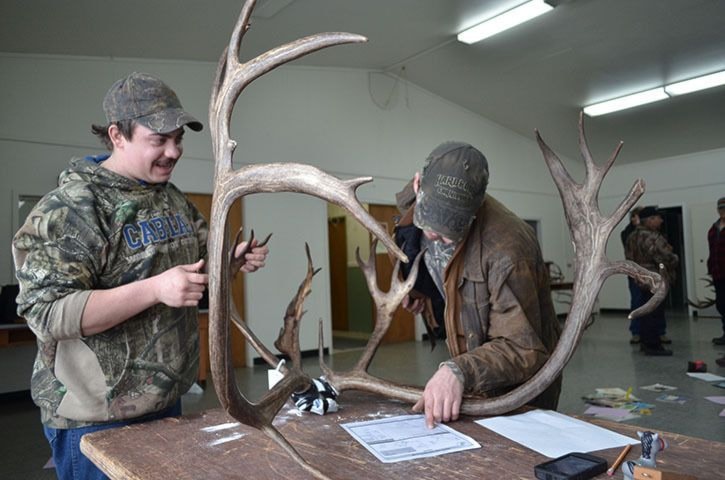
(649, 248)
(485, 265)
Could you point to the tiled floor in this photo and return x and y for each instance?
(604, 359)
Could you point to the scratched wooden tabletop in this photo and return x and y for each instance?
(212, 445)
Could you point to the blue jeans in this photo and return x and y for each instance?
(70, 463)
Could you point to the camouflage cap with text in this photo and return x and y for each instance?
(149, 101)
(452, 189)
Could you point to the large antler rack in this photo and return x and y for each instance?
(232, 76)
(590, 230)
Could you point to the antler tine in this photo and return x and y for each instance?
(300, 178)
(240, 28)
(255, 342)
(708, 302)
(658, 286)
(230, 55)
(385, 303)
(564, 182)
(288, 341)
(656, 282)
(369, 268)
(584, 146)
(594, 173)
(282, 441)
(236, 262)
(236, 77)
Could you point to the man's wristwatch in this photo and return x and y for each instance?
(455, 369)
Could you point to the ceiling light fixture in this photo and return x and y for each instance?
(656, 94)
(695, 84)
(629, 101)
(504, 21)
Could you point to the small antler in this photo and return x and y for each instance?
(237, 261)
(288, 341)
(386, 304)
(708, 302)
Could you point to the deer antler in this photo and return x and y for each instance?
(708, 302)
(236, 262)
(288, 340)
(232, 77)
(386, 303)
(590, 230)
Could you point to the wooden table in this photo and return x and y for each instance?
(189, 448)
(558, 286)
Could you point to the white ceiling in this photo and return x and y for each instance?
(537, 75)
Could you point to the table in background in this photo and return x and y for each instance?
(561, 286)
(186, 448)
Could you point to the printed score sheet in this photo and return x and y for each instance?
(406, 437)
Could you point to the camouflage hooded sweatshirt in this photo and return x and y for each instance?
(99, 230)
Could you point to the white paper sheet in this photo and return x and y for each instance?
(708, 377)
(406, 437)
(554, 434)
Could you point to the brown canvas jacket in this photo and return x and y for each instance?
(499, 316)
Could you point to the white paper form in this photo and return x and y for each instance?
(554, 434)
(708, 377)
(406, 437)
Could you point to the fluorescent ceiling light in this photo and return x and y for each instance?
(506, 20)
(695, 84)
(621, 103)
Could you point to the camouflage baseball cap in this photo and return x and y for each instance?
(452, 188)
(149, 101)
(649, 211)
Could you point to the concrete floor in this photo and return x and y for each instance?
(604, 359)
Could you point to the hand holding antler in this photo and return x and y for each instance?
(249, 256)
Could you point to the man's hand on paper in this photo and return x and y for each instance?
(441, 400)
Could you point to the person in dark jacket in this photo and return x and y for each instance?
(631, 284)
(649, 248)
(716, 264)
(484, 266)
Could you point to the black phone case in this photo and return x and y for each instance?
(572, 466)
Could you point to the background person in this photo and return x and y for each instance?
(716, 264)
(631, 284)
(649, 248)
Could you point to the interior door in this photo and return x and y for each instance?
(337, 239)
(202, 201)
(402, 329)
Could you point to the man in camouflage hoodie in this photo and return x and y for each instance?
(649, 248)
(484, 265)
(111, 269)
